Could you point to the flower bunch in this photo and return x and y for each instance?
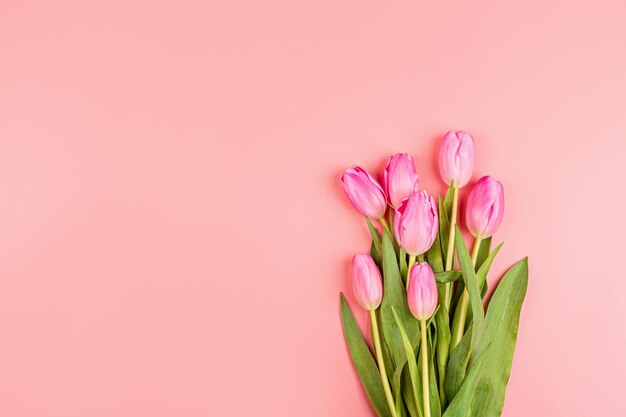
(436, 351)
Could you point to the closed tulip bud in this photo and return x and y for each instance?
(364, 192)
(456, 158)
(400, 178)
(422, 291)
(485, 207)
(416, 223)
(366, 282)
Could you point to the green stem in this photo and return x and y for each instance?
(463, 303)
(408, 270)
(381, 364)
(447, 290)
(386, 226)
(425, 383)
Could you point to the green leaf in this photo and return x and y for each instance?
(448, 276)
(376, 256)
(483, 252)
(415, 410)
(483, 270)
(410, 359)
(377, 244)
(481, 276)
(457, 366)
(403, 263)
(499, 337)
(394, 295)
(447, 201)
(462, 404)
(435, 255)
(443, 349)
(363, 361)
(469, 278)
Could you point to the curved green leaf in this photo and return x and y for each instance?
(462, 404)
(457, 366)
(469, 278)
(410, 359)
(363, 361)
(394, 296)
(499, 337)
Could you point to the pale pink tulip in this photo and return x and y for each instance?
(400, 178)
(422, 291)
(364, 192)
(367, 282)
(416, 223)
(456, 158)
(485, 207)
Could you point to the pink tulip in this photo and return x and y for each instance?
(364, 192)
(485, 207)
(422, 291)
(415, 223)
(366, 282)
(400, 178)
(456, 158)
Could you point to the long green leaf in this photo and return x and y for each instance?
(377, 244)
(435, 255)
(394, 295)
(363, 361)
(457, 366)
(462, 404)
(469, 278)
(499, 336)
(483, 270)
(483, 252)
(410, 358)
(481, 277)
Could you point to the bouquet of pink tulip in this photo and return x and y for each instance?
(436, 352)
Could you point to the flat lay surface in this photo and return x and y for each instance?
(173, 233)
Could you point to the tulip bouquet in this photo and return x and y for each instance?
(436, 351)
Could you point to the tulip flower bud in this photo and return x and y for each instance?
(456, 158)
(416, 223)
(366, 282)
(422, 291)
(364, 192)
(400, 178)
(485, 207)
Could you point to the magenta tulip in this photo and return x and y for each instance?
(456, 158)
(366, 282)
(485, 207)
(422, 291)
(415, 223)
(400, 178)
(364, 192)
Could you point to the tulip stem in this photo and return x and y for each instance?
(381, 364)
(425, 383)
(386, 226)
(463, 303)
(408, 270)
(447, 291)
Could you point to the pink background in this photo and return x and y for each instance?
(173, 234)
